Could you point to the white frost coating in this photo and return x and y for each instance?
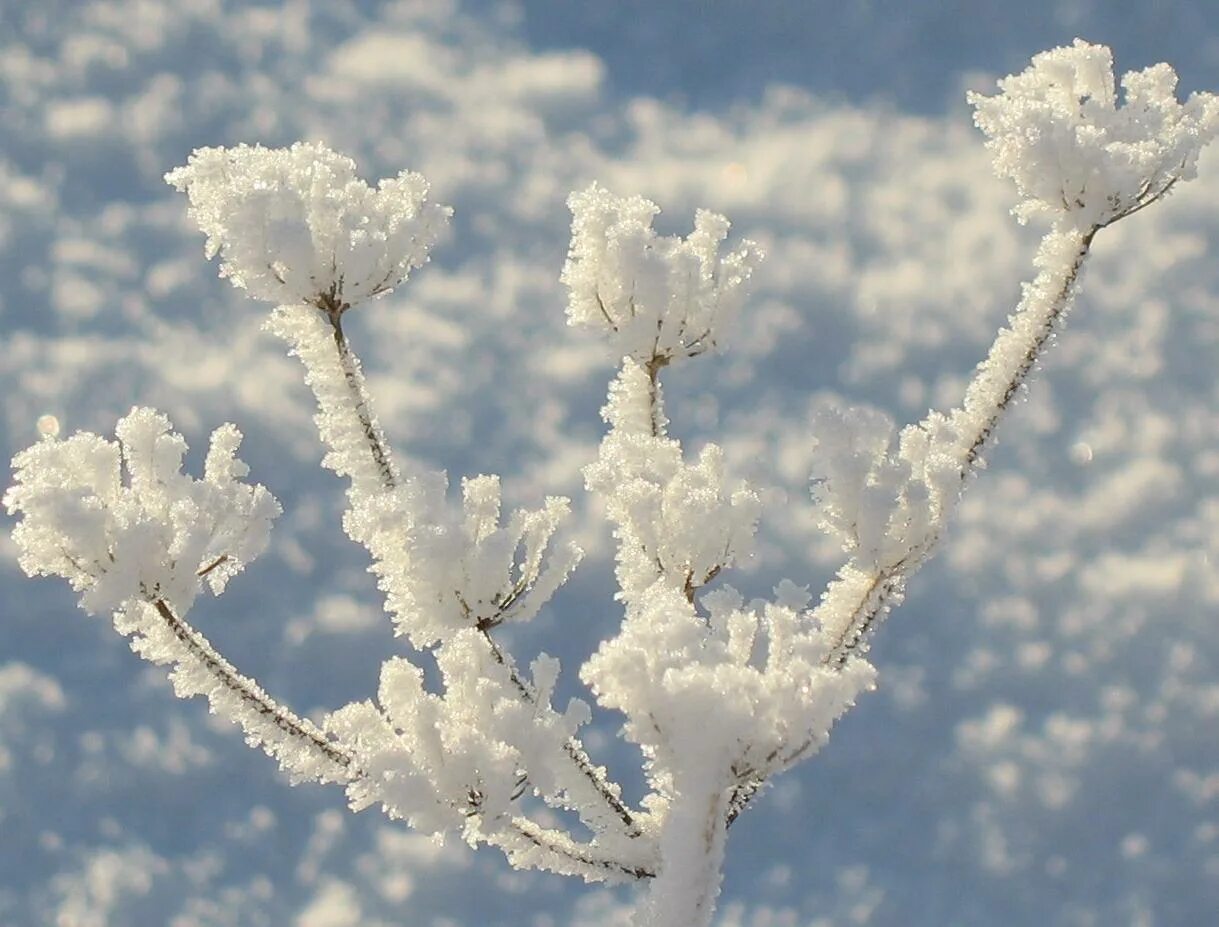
(341, 399)
(1016, 349)
(446, 574)
(718, 698)
(1058, 131)
(1075, 155)
(719, 694)
(675, 521)
(121, 522)
(883, 503)
(295, 225)
(715, 700)
(138, 538)
(652, 296)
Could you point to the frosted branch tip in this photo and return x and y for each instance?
(296, 225)
(656, 298)
(1076, 153)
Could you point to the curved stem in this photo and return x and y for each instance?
(572, 747)
(586, 855)
(341, 762)
(360, 403)
(295, 729)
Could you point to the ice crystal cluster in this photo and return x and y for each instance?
(1060, 133)
(122, 523)
(721, 694)
(297, 225)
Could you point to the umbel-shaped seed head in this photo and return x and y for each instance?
(1058, 131)
(296, 225)
(656, 298)
(121, 521)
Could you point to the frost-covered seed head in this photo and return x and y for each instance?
(296, 225)
(1058, 131)
(654, 297)
(121, 522)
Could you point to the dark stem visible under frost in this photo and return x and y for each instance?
(252, 695)
(572, 747)
(538, 836)
(333, 310)
(653, 367)
(891, 580)
(888, 583)
(1062, 301)
(307, 735)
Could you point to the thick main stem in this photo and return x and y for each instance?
(692, 845)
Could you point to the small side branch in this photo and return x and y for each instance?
(1014, 354)
(654, 366)
(563, 852)
(882, 593)
(1046, 327)
(585, 855)
(858, 599)
(572, 747)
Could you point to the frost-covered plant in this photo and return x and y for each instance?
(720, 695)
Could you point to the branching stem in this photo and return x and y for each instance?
(361, 404)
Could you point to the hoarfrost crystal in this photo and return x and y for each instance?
(1058, 131)
(297, 225)
(653, 296)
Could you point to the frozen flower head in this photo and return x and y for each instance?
(656, 298)
(121, 522)
(1058, 131)
(296, 225)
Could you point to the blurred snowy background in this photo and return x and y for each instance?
(1044, 747)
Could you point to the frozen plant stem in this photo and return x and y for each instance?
(719, 694)
(360, 406)
(998, 380)
(251, 694)
(359, 396)
(378, 448)
(864, 596)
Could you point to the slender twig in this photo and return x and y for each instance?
(307, 735)
(890, 580)
(203, 571)
(653, 367)
(543, 839)
(888, 583)
(601, 305)
(572, 747)
(251, 694)
(334, 309)
(1031, 355)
